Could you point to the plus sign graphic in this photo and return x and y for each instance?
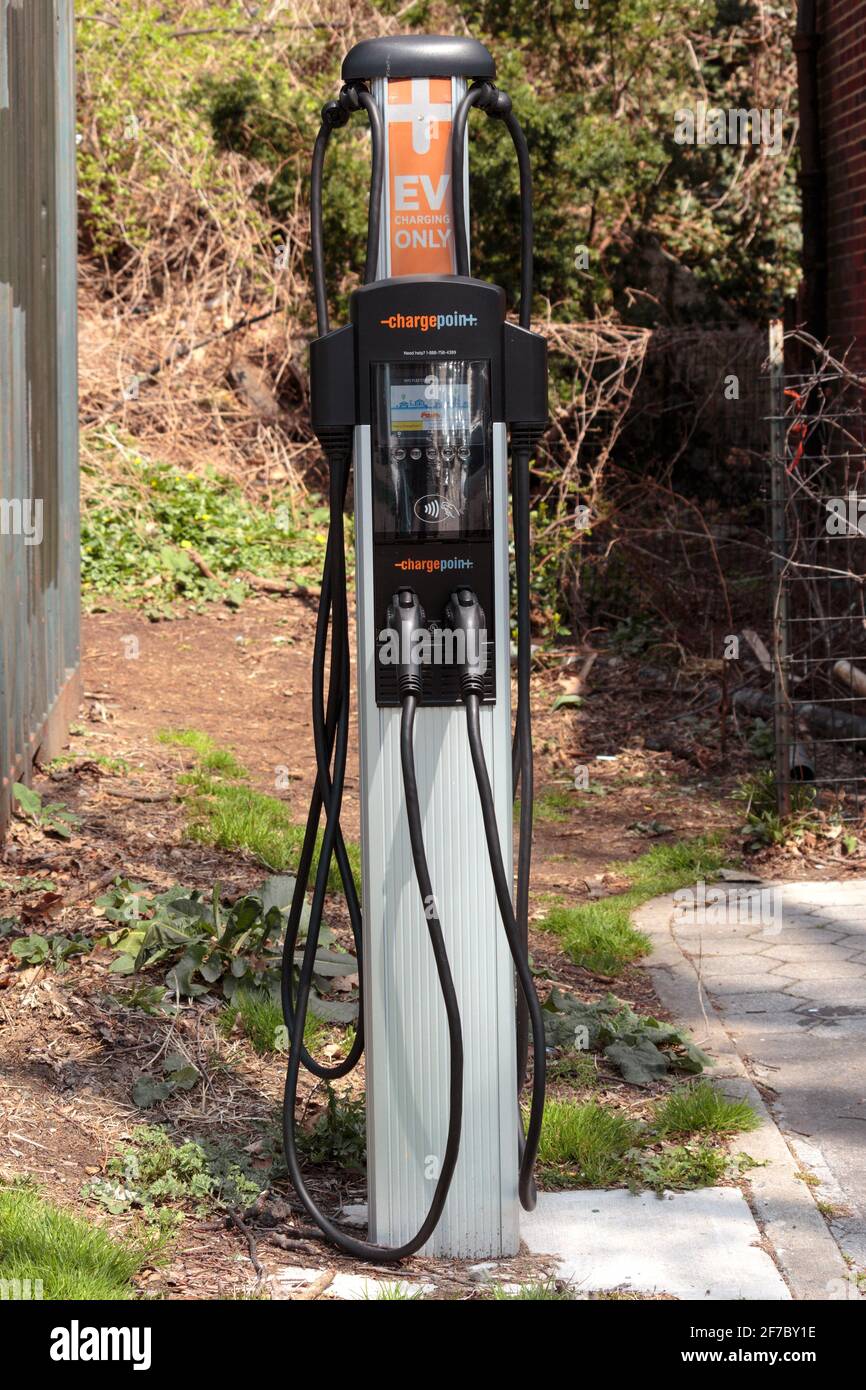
(424, 114)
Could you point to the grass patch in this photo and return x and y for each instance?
(577, 1069)
(73, 1258)
(599, 935)
(552, 807)
(233, 816)
(702, 1109)
(226, 812)
(543, 1292)
(262, 1022)
(591, 1145)
(208, 755)
(394, 1293)
(584, 1145)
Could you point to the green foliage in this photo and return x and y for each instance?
(73, 1258)
(576, 1069)
(634, 635)
(34, 949)
(207, 946)
(178, 1074)
(596, 91)
(763, 821)
(226, 812)
(679, 1168)
(52, 816)
(142, 519)
(762, 739)
(592, 1145)
(702, 1109)
(642, 1048)
(161, 1179)
(665, 868)
(236, 817)
(394, 1293)
(211, 948)
(554, 807)
(139, 112)
(28, 883)
(339, 1135)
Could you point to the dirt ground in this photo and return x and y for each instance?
(70, 1047)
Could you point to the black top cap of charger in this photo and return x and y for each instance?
(418, 55)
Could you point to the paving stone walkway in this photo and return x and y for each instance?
(785, 966)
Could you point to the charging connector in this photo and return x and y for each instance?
(407, 619)
(465, 615)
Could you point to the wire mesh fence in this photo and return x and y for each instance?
(818, 524)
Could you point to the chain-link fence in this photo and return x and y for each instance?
(818, 466)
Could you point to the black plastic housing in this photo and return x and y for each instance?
(411, 320)
(333, 397)
(418, 55)
(525, 368)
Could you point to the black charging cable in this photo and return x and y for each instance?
(353, 97)
(464, 614)
(333, 613)
(497, 104)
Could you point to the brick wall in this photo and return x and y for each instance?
(842, 114)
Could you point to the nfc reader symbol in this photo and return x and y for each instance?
(434, 510)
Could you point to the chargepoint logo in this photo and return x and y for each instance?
(430, 323)
(77, 1343)
(437, 566)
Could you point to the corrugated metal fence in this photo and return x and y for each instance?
(39, 519)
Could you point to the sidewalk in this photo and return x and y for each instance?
(781, 1002)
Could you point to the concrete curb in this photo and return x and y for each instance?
(806, 1253)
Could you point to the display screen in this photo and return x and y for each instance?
(430, 406)
(432, 450)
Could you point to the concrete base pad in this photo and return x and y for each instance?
(701, 1245)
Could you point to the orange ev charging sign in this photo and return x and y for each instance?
(420, 206)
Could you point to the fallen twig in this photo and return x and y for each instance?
(251, 1246)
(316, 1288)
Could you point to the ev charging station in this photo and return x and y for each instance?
(420, 396)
